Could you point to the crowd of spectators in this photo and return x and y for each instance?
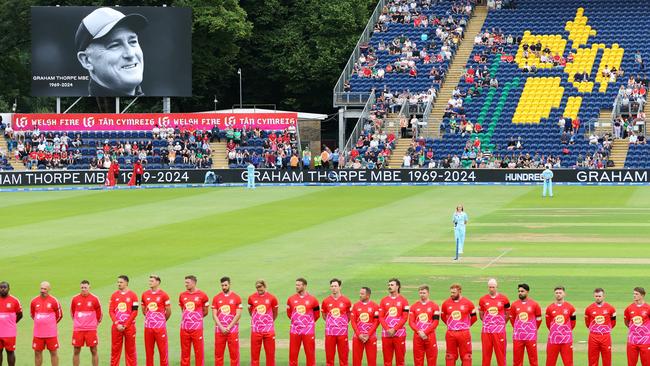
(374, 145)
(419, 156)
(274, 149)
(186, 146)
(438, 41)
(599, 159)
(501, 4)
(46, 150)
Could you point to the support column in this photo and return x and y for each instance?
(341, 128)
(167, 105)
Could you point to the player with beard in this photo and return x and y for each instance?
(393, 315)
(600, 318)
(459, 314)
(560, 320)
(10, 314)
(526, 318)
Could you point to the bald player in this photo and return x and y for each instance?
(494, 311)
(46, 311)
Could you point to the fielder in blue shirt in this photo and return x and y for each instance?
(250, 170)
(460, 221)
(547, 175)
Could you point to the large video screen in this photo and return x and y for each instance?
(111, 51)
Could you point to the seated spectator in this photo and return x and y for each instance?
(633, 139)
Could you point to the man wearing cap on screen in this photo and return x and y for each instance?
(108, 47)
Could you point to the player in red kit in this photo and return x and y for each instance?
(47, 313)
(560, 320)
(303, 310)
(526, 318)
(10, 314)
(263, 308)
(194, 304)
(226, 312)
(365, 321)
(156, 308)
(424, 318)
(493, 309)
(637, 319)
(600, 318)
(459, 314)
(336, 313)
(393, 315)
(86, 311)
(123, 308)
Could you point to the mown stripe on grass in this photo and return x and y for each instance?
(171, 243)
(142, 212)
(19, 200)
(98, 202)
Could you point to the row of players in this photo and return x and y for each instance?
(391, 314)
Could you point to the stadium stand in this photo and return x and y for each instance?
(540, 56)
(264, 149)
(539, 78)
(157, 149)
(411, 46)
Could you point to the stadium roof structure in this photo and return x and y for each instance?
(301, 115)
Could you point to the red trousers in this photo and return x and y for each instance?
(309, 342)
(257, 339)
(156, 337)
(565, 350)
(220, 342)
(370, 347)
(189, 339)
(126, 337)
(334, 343)
(425, 349)
(518, 348)
(393, 345)
(600, 344)
(493, 342)
(459, 344)
(634, 351)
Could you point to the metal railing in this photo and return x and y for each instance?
(403, 113)
(628, 108)
(358, 128)
(591, 127)
(426, 116)
(340, 97)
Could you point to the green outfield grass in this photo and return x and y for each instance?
(363, 235)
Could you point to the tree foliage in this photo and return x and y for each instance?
(291, 52)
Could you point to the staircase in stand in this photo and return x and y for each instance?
(604, 122)
(619, 153)
(456, 70)
(219, 155)
(397, 157)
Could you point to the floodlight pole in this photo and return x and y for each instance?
(117, 105)
(58, 105)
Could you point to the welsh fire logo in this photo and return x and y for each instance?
(543, 94)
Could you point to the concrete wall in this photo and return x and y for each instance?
(310, 134)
